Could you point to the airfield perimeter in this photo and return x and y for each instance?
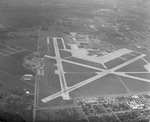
(71, 74)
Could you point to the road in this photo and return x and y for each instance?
(36, 89)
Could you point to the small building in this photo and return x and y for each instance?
(135, 96)
(27, 77)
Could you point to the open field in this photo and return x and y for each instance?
(89, 63)
(49, 84)
(13, 64)
(11, 83)
(60, 44)
(115, 62)
(28, 42)
(106, 85)
(64, 54)
(77, 77)
(69, 67)
(135, 53)
(135, 85)
(128, 57)
(51, 50)
(136, 66)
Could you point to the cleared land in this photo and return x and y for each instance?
(98, 65)
(60, 44)
(68, 67)
(135, 53)
(106, 85)
(114, 63)
(136, 85)
(136, 66)
(13, 64)
(51, 78)
(51, 50)
(74, 78)
(128, 57)
(64, 54)
(11, 83)
(49, 84)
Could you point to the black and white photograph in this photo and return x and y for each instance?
(74, 60)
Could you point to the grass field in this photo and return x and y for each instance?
(128, 57)
(115, 62)
(68, 67)
(24, 42)
(51, 47)
(136, 85)
(51, 79)
(60, 44)
(74, 78)
(13, 64)
(106, 85)
(64, 54)
(9, 83)
(135, 53)
(136, 66)
(98, 65)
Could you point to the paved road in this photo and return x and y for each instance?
(36, 89)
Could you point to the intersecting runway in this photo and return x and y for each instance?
(64, 93)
